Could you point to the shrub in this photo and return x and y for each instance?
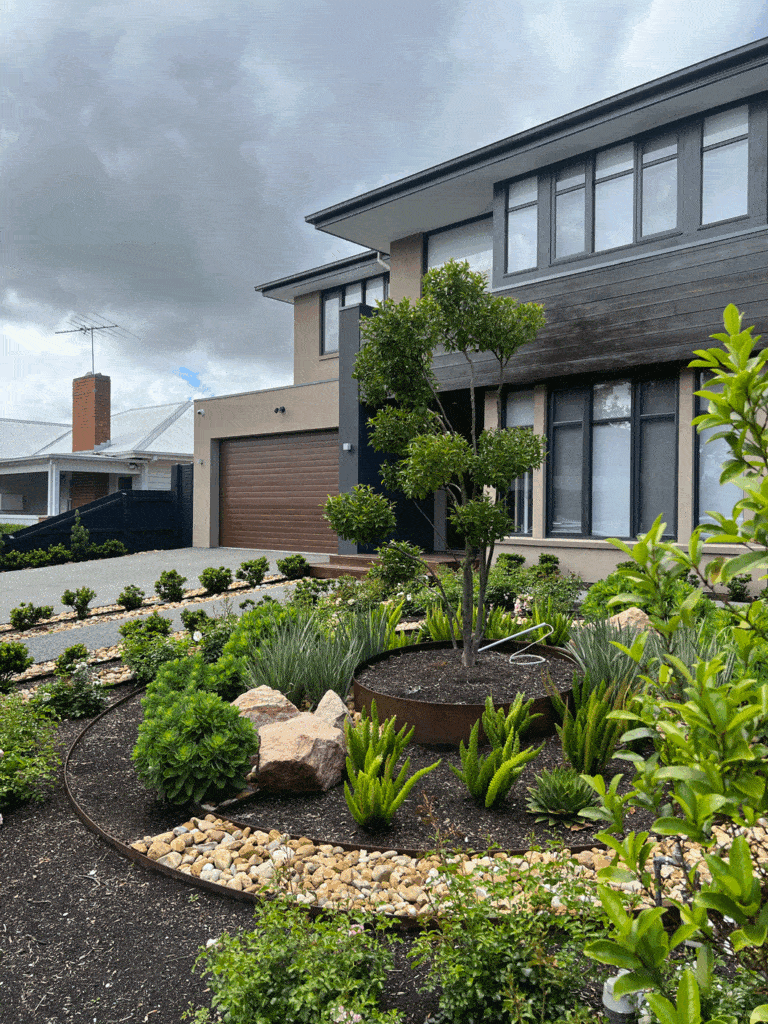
(294, 969)
(145, 656)
(308, 591)
(510, 560)
(79, 600)
(559, 795)
(293, 567)
(131, 597)
(11, 527)
(75, 697)
(109, 549)
(253, 572)
(215, 636)
(373, 795)
(216, 581)
(146, 628)
(194, 746)
(170, 586)
(548, 564)
(194, 620)
(58, 555)
(29, 757)
(738, 586)
(588, 736)
(399, 562)
(28, 614)
(79, 540)
(490, 778)
(187, 674)
(14, 659)
(65, 663)
(252, 629)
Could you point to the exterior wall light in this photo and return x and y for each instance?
(346, 447)
(201, 412)
(279, 408)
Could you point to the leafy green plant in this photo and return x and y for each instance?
(216, 581)
(510, 560)
(65, 663)
(367, 739)
(29, 759)
(254, 571)
(182, 675)
(738, 586)
(194, 746)
(79, 600)
(76, 696)
(490, 777)
(588, 735)
(398, 562)
(439, 626)
(131, 597)
(601, 649)
(252, 630)
(548, 564)
(170, 586)
(111, 548)
(374, 795)
(144, 657)
(194, 620)
(145, 628)
(297, 970)
(293, 567)
(27, 615)
(559, 795)
(546, 612)
(79, 540)
(14, 659)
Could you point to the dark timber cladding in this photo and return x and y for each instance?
(272, 489)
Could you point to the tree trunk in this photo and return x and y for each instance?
(469, 653)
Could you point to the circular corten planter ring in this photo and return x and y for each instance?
(448, 724)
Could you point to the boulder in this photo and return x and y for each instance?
(263, 706)
(634, 617)
(333, 710)
(304, 754)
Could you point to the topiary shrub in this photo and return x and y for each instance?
(65, 663)
(131, 597)
(28, 614)
(29, 756)
(147, 628)
(216, 581)
(253, 572)
(293, 567)
(170, 585)
(79, 600)
(79, 541)
(194, 746)
(14, 659)
(194, 620)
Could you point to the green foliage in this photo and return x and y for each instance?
(399, 563)
(558, 795)
(216, 581)
(109, 549)
(439, 626)
(75, 696)
(548, 564)
(254, 571)
(738, 586)
(589, 737)
(293, 567)
(367, 740)
(252, 629)
(11, 527)
(79, 540)
(131, 597)
(489, 778)
(65, 663)
(520, 966)
(194, 620)
(376, 794)
(607, 652)
(182, 675)
(79, 600)
(360, 515)
(170, 586)
(27, 615)
(216, 634)
(147, 645)
(57, 554)
(561, 622)
(29, 759)
(297, 970)
(510, 560)
(14, 659)
(194, 746)
(146, 628)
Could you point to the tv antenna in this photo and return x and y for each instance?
(84, 329)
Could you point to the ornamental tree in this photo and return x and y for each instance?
(423, 451)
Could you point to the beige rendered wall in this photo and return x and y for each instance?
(308, 364)
(406, 267)
(307, 407)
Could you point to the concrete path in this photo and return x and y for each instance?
(108, 576)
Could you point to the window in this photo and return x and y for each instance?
(570, 212)
(519, 413)
(370, 291)
(472, 242)
(613, 458)
(522, 225)
(724, 168)
(711, 495)
(659, 186)
(614, 197)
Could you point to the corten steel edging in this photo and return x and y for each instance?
(128, 853)
(449, 724)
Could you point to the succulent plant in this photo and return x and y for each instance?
(558, 796)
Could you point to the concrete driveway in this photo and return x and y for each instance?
(108, 576)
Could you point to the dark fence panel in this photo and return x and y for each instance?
(142, 520)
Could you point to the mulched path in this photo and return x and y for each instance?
(86, 936)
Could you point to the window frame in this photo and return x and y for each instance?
(341, 290)
(526, 480)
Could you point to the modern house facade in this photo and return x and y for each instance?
(634, 222)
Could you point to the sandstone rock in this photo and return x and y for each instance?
(304, 754)
(333, 710)
(158, 849)
(263, 706)
(634, 617)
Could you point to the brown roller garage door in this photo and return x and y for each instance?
(271, 489)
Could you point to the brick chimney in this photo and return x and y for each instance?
(90, 411)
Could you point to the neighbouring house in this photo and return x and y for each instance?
(634, 221)
(49, 468)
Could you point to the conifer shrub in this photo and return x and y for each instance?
(254, 571)
(216, 581)
(14, 659)
(78, 600)
(170, 585)
(26, 615)
(293, 567)
(131, 597)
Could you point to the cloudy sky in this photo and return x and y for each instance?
(159, 156)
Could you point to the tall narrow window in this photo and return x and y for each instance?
(570, 212)
(522, 225)
(659, 185)
(611, 458)
(520, 498)
(566, 461)
(724, 171)
(331, 306)
(711, 495)
(614, 197)
(657, 460)
(375, 289)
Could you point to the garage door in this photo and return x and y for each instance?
(271, 489)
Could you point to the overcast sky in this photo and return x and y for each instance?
(159, 156)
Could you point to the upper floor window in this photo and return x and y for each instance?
(522, 224)
(724, 165)
(370, 291)
(658, 197)
(472, 242)
(570, 211)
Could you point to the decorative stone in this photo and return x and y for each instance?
(634, 617)
(333, 710)
(263, 705)
(304, 754)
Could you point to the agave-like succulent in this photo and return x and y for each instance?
(558, 795)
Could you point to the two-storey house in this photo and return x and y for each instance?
(634, 221)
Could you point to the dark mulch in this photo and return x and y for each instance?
(86, 936)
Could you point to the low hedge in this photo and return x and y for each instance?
(57, 554)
